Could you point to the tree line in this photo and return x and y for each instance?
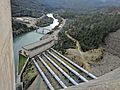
(89, 29)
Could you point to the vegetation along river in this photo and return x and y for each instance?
(30, 37)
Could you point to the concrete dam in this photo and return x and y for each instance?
(109, 81)
(7, 69)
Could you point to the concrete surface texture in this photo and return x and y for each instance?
(7, 74)
(113, 43)
(109, 81)
(38, 84)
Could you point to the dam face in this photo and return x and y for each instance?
(7, 74)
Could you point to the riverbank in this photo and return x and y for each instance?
(30, 37)
(22, 25)
(26, 75)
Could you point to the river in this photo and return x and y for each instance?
(30, 37)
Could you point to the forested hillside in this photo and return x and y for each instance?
(36, 8)
(20, 27)
(32, 8)
(80, 4)
(89, 29)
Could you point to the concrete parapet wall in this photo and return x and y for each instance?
(7, 72)
(109, 81)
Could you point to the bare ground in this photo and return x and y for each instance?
(107, 64)
(100, 61)
(97, 63)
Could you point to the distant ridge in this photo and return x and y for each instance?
(78, 4)
(36, 8)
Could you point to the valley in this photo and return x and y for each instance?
(86, 32)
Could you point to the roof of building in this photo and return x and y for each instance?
(38, 44)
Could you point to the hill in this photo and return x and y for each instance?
(32, 8)
(36, 8)
(80, 4)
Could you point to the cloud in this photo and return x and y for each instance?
(103, 0)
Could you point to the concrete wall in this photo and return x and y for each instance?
(7, 73)
(38, 47)
(109, 81)
(41, 49)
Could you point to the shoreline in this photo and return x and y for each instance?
(27, 24)
(54, 33)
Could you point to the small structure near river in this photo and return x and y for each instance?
(37, 47)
